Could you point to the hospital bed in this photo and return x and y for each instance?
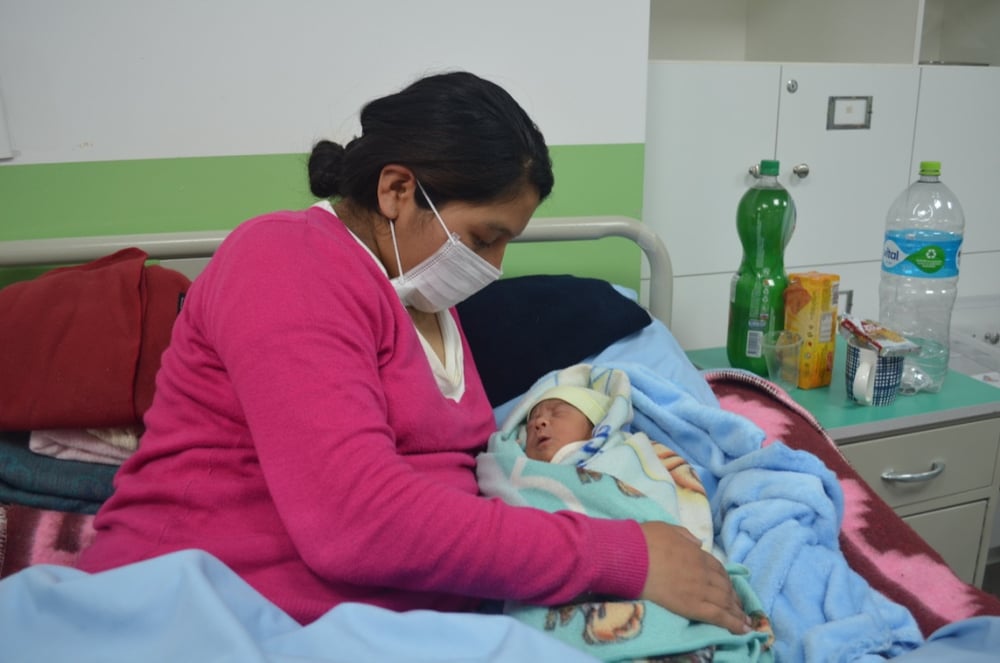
(820, 567)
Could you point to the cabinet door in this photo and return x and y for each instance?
(854, 174)
(957, 125)
(955, 533)
(706, 124)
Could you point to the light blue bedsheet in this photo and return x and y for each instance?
(188, 606)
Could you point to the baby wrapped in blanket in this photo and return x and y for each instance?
(567, 446)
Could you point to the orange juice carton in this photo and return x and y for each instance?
(811, 310)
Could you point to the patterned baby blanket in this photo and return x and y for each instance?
(776, 511)
(616, 474)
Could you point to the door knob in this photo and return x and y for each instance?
(802, 170)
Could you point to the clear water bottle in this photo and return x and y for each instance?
(765, 220)
(920, 261)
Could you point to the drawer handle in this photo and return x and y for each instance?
(936, 469)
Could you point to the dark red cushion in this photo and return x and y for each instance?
(79, 345)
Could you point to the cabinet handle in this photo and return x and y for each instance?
(936, 469)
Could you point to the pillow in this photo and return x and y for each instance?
(82, 344)
(521, 328)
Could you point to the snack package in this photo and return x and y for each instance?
(885, 341)
(811, 310)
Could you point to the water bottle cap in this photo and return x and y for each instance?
(768, 167)
(932, 168)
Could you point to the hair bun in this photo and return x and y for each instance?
(325, 165)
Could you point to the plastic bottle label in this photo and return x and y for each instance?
(755, 344)
(925, 254)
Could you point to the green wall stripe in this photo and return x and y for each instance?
(41, 201)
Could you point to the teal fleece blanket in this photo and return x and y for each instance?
(616, 474)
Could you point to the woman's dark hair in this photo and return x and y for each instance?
(464, 137)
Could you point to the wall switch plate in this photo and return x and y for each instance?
(849, 113)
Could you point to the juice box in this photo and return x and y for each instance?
(811, 310)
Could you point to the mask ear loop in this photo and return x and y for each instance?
(436, 214)
(395, 249)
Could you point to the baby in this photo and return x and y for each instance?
(562, 420)
(566, 446)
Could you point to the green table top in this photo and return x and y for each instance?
(960, 398)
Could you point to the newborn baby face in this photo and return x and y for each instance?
(553, 424)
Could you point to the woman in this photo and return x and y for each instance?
(318, 413)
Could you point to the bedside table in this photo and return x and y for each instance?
(935, 458)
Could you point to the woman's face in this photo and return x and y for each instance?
(484, 228)
(553, 424)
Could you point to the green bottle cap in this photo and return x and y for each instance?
(768, 167)
(932, 168)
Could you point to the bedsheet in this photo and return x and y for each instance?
(188, 606)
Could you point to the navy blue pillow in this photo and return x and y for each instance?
(521, 328)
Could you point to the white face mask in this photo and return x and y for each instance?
(450, 275)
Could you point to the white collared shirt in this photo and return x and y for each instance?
(450, 375)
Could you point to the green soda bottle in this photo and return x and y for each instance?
(765, 219)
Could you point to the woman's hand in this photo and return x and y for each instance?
(688, 581)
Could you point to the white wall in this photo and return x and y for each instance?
(837, 31)
(785, 30)
(698, 30)
(128, 79)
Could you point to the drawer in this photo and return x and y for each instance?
(968, 452)
(955, 533)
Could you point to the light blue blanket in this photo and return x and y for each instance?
(188, 606)
(777, 512)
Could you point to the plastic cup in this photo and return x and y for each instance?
(781, 352)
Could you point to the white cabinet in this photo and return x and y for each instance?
(958, 125)
(718, 102)
(708, 122)
(853, 173)
(951, 510)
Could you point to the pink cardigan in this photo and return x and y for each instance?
(298, 434)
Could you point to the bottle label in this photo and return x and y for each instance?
(755, 344)
(925, 254)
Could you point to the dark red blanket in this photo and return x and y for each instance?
(877, 543)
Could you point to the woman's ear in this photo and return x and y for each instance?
(396, 188)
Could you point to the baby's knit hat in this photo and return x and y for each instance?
(592, 403)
